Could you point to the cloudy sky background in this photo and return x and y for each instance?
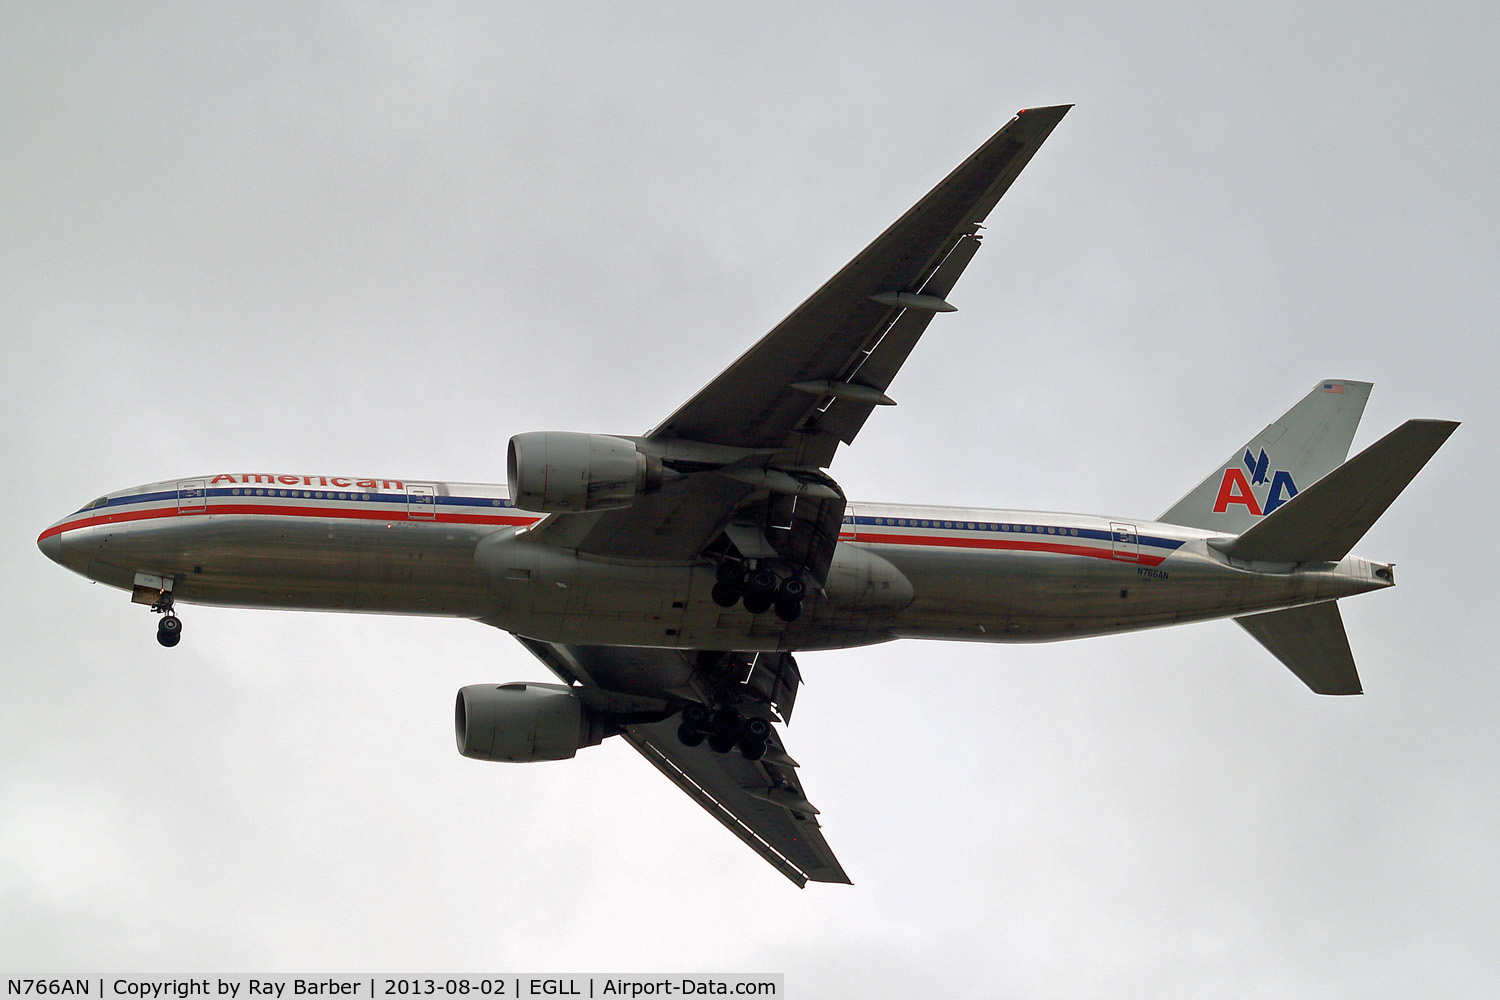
(378, 239)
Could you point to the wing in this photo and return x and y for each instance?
(813, 380)
(761, 801)
(751, 446)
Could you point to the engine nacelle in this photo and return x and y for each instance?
(564, 471)
(523, 722)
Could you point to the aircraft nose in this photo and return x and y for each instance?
(51, 546)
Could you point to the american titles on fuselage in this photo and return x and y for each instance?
(338, 482)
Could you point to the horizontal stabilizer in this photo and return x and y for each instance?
(1326, 520)
(1312, 642)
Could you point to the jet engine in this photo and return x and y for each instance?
(523, 722)
(564, 471)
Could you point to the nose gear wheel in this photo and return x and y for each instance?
(169, 629)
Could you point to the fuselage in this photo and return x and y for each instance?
(460, 550)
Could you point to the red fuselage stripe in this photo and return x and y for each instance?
(443, 517)
(1008, 544)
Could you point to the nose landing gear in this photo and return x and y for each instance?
(169, 629)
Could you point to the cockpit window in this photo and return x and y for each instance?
(96, 503)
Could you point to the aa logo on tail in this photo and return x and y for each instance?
(1235, 488)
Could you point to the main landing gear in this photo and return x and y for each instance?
(169, 629)
(760, 588)
(724, 729)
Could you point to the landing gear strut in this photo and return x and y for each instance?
(724, 729)
(169, 629)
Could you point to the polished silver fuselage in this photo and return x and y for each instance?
(461, 550)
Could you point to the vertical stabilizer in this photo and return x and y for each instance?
(1304, 445)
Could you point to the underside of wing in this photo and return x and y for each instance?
(751, 447)
(831, 354)
(760, 800)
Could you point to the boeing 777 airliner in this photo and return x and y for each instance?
(667, 579)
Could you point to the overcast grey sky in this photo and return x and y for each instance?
(382, 238)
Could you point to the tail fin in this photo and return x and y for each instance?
(1333, 514)
(1304, 445)
(1322, 524)
(1312, 642)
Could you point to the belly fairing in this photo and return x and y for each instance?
(558, 595)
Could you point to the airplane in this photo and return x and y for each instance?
(670, 579)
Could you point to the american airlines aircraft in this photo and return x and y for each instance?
(667, 579)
